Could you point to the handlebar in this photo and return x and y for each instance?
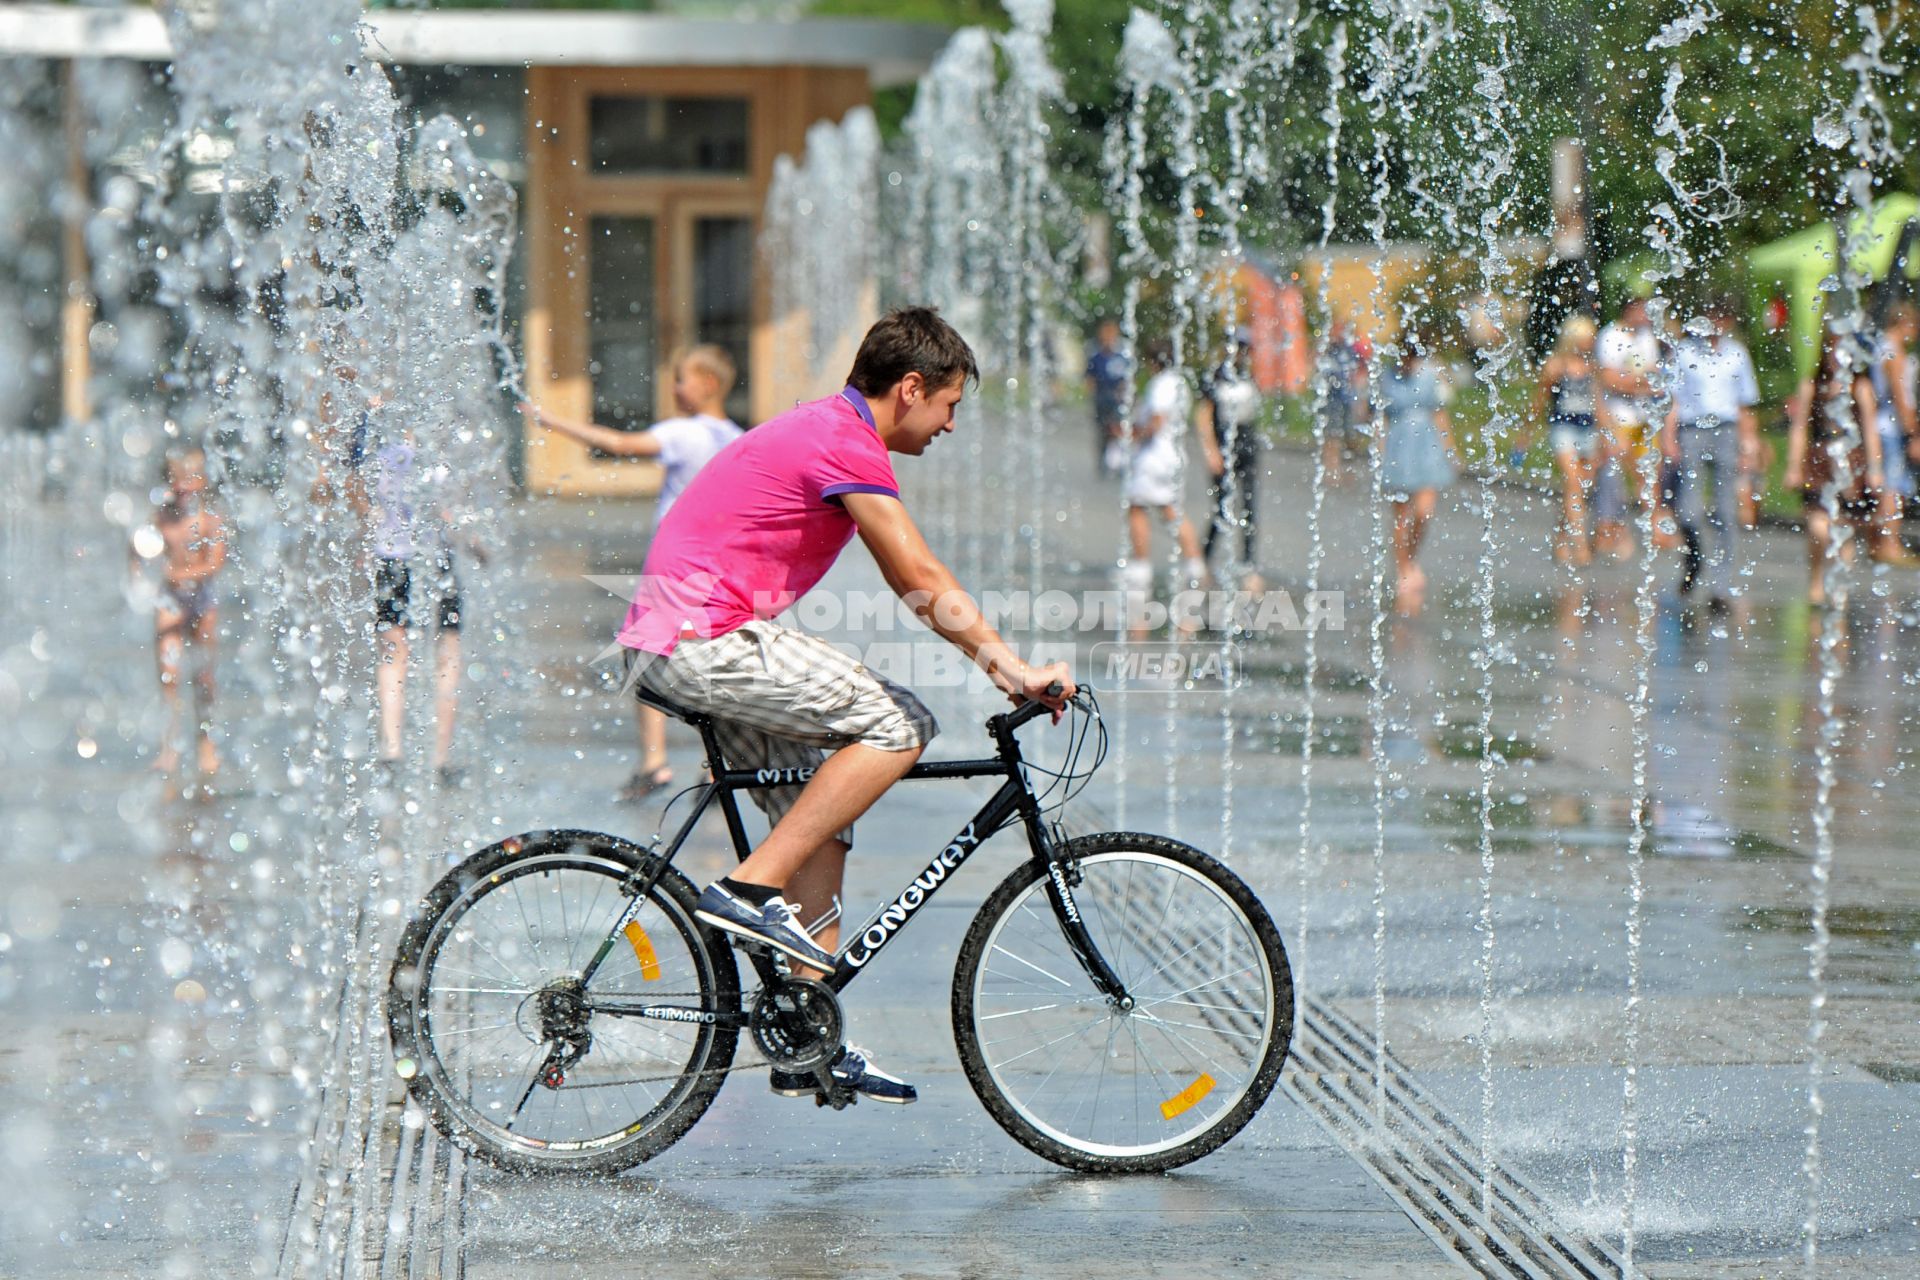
(1021, 714)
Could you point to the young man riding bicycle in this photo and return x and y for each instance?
(759, 527)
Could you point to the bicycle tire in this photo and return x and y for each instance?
(1229, 1058)
(676, 946)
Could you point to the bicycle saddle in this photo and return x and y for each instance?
(673, 709)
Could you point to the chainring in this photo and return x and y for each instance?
(796, 1023)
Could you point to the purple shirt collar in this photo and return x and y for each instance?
(859, 403)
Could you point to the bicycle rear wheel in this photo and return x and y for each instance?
(486, 984)
(1091, 1086)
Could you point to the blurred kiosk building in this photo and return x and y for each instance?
(642, 146)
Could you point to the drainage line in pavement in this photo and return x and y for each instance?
(1418, 1154)
(1431, 1150)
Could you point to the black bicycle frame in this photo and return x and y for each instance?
(1012, 799)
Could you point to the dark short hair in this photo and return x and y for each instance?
(911, 340)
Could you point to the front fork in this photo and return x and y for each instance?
(1062, 877)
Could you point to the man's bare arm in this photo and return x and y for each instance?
(1203, 427)
(1904, 410)
(937, 598)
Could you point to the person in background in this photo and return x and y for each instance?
(1893, 394)
(1627, 353)
(1417, 457)
(703, 377)
(1155, 474)
(1833, 453)
(1108, 370)
(189, 539)
(1342, 397)
(1712, 436)
(1565, 397)
(404, 497)
(1228, 424)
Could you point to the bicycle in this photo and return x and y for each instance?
(1122, 1002)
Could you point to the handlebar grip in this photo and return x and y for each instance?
(1021, 714)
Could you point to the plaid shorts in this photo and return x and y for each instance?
(781, 699)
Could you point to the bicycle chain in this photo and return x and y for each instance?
(664, 1079)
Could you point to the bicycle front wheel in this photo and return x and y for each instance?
(1092, 1086)
(519, 1060)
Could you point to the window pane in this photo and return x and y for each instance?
(668, 135)
(723, 295)
(622, 349)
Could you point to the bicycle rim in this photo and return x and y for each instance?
(1140, 1082)
(510, 935)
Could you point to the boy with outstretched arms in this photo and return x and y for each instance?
(754, 531)
(703, 377)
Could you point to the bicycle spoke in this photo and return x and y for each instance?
(1048, 1078)
(1037, 1048)
(1015, 1013)
(1178, 1041)
(522, 1104)
(467, 1031)
(1199, 986)
(526, 925)
(1210, 1060)
(1036, 968)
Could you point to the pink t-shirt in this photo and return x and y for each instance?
(759, 525)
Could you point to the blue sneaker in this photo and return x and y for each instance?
(774, 925)
(851, 1069)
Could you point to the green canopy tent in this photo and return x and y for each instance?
(1787, 274)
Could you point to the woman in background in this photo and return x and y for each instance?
(1565, 397)
(1417, 458)
(1833, 455)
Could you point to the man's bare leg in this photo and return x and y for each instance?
(206, 638)
(842, 789)
(390, 682)
(653, 745)
(812, 890)
(446, 694)
(169, 648)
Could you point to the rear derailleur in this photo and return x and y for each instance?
(560, 1009)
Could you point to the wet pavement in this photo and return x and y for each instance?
(1732, 719)
(156, 1119)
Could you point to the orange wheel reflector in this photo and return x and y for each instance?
(1187, 1097)
(650, 963)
